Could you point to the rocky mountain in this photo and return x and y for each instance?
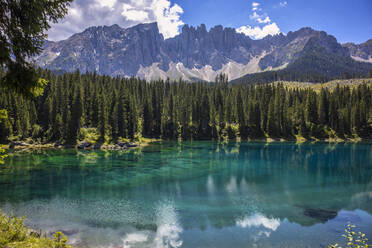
(361, 52)
(196, 53)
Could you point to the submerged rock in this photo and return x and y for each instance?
(132, 144)
(69, 232)
(67, 146)
(17, 143)
(120, 147)
(20, 143)
(84, 145)
(320, 214)
(57, 144)
(122, 144)
(97, 146)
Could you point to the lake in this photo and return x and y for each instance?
(194, 194)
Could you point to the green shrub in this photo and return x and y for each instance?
(354, 240)
(37, 131)
(14, 234)
(90, 135)
(124, 140)
(11, 229)
(3, 116)
(3, 154)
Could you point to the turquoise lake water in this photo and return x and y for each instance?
(194, 194)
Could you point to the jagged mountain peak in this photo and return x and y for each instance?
(151, 26)
(105, 27)
(196, 53)
(308, 32)
(203, 29)
(366, 43)
(116, 27)
(115, 31)
(360, 52)
(302, 31)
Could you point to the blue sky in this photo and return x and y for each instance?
(348, 21)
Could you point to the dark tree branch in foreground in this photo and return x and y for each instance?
(22, 33)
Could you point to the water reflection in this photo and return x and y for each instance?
(184, 194)
(167, 234)
(168, 229)
(258, 220)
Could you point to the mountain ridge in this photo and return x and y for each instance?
(195, 54)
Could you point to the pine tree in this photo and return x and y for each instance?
(355, 115)
(205, 116)
(122, 123)
(147, 118)
(114, 119)
(102, 118)
(271, 126)
(323, 107)
(76, 116)
(241, 115)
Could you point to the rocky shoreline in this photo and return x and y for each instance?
(85, 145)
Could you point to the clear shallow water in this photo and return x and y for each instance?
(195, 194)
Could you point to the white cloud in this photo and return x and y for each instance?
(258, 32)
(107, 3)
(254, 16)
(75, 13)
(255, 6)
(134, 15)
(168, 17)
(283, 4)
(266, 20)
(259, 18)
(126, 13)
